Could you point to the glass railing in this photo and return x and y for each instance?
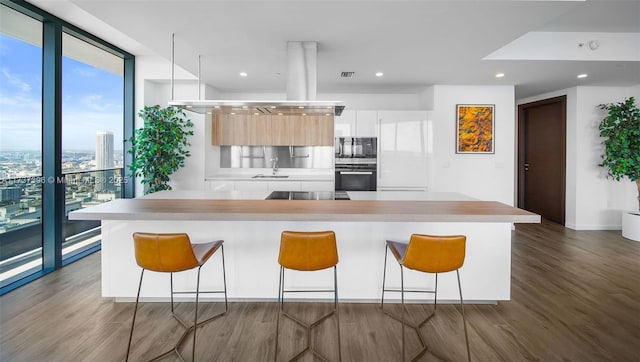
(21, 218)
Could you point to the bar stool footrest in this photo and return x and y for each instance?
(308, 327)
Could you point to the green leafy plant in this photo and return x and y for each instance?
(160, 147)
(621, 127)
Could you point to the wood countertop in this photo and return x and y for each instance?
(305, 210)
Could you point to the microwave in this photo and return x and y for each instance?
(356, 147)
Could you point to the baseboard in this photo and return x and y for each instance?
(593, 227)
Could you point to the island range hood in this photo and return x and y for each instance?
(301, 91)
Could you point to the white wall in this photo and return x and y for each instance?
(593, 202)
(151, 88)
(482, 176)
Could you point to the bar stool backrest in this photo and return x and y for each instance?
(435, 254)
(168, 253)
(312, 250)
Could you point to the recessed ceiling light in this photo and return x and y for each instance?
(304, 114)
(301, 107)
(245, 107)
(243, 74)
(499, 75)
(279, 114)
(208, 112)
(327, 114)
(233, 113)
(583, 75)
(379, 74)
(218, 107)
(257, 114)
(273, 107)
(189, 106)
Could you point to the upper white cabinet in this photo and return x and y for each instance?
(366, 124)
(356, 124)
(345, 124)
(404, 149)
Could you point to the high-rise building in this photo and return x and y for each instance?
(104, 160)
(104, 150)
(10, 193)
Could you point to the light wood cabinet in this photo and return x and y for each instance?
(244, 130)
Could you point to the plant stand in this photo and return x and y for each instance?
(631, 226)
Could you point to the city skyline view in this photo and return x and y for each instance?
(92, 100)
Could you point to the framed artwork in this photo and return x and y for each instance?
(475, 128)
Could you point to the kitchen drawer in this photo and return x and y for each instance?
(251, 186)
(284, 185)
(316, 186)
(215, 185)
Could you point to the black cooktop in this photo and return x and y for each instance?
(308, 195)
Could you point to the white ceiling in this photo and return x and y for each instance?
(415, 43)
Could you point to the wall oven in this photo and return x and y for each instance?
(356, 175)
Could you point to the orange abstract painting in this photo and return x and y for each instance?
(474, 128)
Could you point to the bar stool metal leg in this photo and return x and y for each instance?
(335, 305)
(464, 322)
(280, 280)
(402, 306)
(384, 276)
(195, 317)
(135, 311)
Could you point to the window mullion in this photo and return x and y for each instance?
(53, 205)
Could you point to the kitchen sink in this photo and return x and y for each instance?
(270, 176)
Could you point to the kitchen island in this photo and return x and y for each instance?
(251, 227)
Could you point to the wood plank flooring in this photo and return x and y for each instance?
(575, 297)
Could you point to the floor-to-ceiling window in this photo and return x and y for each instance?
(66, 107)
(20, 145)
(92, 141)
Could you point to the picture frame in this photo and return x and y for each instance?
(475, 128)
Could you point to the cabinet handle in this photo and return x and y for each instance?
(356, 173)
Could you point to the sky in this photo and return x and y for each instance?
(92, 100)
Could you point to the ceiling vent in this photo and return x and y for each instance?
(347, 74)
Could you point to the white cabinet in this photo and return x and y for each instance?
(356, 124)
(284, 185)
(251, 185)
(316, 186)
(404, 149)
(269, 185)
(366, 124)
(216, 185)
(345, 124)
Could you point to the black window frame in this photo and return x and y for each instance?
(53, 192)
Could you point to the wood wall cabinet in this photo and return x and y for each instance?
(245, 130)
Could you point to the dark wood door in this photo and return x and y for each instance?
(541, 158)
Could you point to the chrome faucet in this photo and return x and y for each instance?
(274, 165)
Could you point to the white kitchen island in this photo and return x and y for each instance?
(251, 227)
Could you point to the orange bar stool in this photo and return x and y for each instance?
(308, 251)
(428, 254)
(172, 253)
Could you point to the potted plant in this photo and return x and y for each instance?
(160, 147)
(621, 129)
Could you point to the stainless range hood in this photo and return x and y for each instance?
(301, 91)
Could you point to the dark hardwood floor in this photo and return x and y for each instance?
(575, 297)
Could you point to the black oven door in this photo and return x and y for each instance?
(355, 180)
